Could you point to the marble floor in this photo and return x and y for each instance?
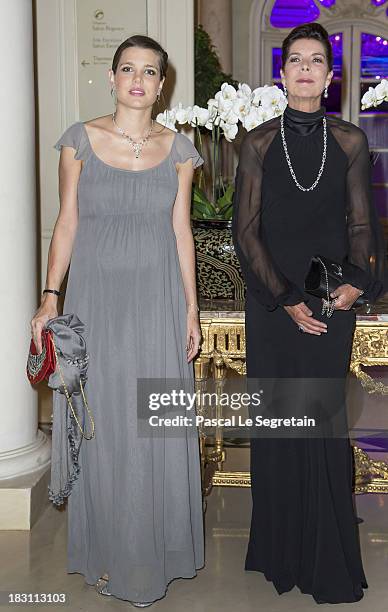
(36, 562)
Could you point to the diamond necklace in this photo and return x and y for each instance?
(289, 161)
(136, 146)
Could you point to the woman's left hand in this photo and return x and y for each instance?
(346, 296)
(193, 336)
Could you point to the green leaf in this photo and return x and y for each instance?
(201, 207)
(228, 212)
(226, 199)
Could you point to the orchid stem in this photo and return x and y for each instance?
(202, 179)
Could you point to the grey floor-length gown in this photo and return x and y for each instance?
(135, 511)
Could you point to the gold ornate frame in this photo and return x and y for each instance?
(223, 346)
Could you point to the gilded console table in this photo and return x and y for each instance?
(223, 346)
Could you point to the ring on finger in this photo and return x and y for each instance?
(301, 329)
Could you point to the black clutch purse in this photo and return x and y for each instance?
(323, 277)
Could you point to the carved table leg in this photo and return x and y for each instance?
(370, 476)
(201, 373)
(219, 373)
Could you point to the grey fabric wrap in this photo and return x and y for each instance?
(66, 437)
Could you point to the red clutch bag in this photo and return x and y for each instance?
(41, 366)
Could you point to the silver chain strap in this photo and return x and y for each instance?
(328, 305)
(84, 435)
(289, 160)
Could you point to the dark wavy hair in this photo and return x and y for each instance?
(145, 42)
(308, 30)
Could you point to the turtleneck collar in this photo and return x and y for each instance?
(302, 122)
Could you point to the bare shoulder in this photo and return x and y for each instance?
(99, 122)
(164, 134)
(99, 127)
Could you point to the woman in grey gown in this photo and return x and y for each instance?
(135, 511)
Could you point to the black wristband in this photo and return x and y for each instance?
(52, 291)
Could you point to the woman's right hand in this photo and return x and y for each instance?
(47, 310)
(302, 315)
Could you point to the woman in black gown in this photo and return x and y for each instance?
(303, 529)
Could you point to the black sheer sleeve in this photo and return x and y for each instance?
(262, 277)
(367, 251)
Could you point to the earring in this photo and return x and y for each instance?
(285, 91)
(326, 93)
(114, 95)
(158, 96)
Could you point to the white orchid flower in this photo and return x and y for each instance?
(167, 118)
(242, 106)
(257, 93)
(214, 120)
(212, 103)
(200, 116)
(369, 98)
(228, 92)
(271, 97)
(253, 118)
(382, 91)
(183, 115)
(213, 114)
(244, 91)
(224, 104)
(229, 130)
(229, 116)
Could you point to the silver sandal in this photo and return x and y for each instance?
(101, 586)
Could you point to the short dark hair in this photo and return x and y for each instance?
(145, 42)
(308, 30)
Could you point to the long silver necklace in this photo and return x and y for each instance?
(136, 146)
(315, 183)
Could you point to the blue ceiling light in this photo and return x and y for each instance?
(290, 13)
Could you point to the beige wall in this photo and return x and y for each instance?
(240, 27)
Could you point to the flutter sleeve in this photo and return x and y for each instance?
(183, 149)
(262, 276)
(366, 249)
(76, 138)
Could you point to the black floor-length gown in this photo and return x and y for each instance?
(303, 529)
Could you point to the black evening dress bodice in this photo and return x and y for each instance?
(303, 529)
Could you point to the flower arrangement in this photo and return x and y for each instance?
(229, 107)
(375, 95)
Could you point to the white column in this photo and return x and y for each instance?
(216, 18)
(24, 450)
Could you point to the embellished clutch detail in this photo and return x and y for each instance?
(323, 277)
(64, 365)
(41, 366)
